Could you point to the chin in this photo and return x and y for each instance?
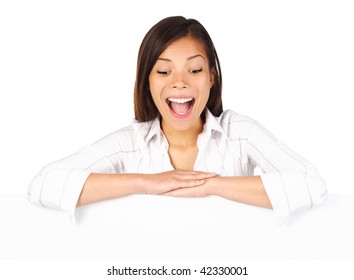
(182, 124)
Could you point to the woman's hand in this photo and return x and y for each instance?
(197, 191)
(167, 182)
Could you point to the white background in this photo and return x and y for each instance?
(67, 71)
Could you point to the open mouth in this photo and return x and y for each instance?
(180, 107)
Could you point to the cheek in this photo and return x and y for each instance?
(205, 86)
(204, 92)
(155, 86)
(156, 94)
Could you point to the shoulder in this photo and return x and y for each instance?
(236, 125)
(239, 126)
(122, 139)
(134, 136)
(230, 117)
(121, 134)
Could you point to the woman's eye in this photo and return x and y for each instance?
(195, 71)
(162, 72)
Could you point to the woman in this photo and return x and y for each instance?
(182, 143)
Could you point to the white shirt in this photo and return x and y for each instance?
(230, 145)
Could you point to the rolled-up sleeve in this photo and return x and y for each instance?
(291, 182)
(57, 188)
(59, 184)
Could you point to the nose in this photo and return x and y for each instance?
(178, 81)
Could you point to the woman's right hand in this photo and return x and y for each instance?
(176, 179)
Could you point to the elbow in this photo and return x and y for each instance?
(318, 190)
(320, 198)
(57, 188)
(34, 190)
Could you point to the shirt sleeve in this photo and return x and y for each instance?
(59, 184)
(292, 183)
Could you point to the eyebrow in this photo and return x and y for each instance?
(189, 58)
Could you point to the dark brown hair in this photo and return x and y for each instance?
(154, 43)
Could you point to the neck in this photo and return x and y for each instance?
(182, 138)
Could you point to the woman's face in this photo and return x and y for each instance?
(180, 83)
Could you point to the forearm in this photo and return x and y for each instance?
(244, 189)
(108, 186)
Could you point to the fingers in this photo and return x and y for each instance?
(192, 183)
(194, 175)
(190, 179)
(175, 179)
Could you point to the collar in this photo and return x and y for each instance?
(212, 123)
(145, 131)
(212, 128)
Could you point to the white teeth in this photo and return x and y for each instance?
(180, 100)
